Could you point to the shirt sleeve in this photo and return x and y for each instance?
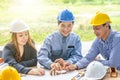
(114, 59)
(43, 54)
(29, 63)
(90, 56)
(76, 54)
(8, 56)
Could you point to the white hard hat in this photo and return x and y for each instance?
(95, 70)
(18, 26)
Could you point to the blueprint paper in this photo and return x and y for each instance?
(47, 76)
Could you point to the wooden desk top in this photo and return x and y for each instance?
(67, 76)
(107, 76)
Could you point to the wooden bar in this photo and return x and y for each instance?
(107, 76)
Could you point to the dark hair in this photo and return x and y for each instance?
(61, 21)
(108, 26)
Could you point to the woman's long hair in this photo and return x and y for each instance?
(15, 44)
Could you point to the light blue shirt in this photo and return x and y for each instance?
(109, 49)
(57, 46)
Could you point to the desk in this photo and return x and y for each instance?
(107, 76)
(67, 76)
(47, 76)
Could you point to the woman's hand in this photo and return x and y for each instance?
(37, 71)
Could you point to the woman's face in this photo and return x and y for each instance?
(65, 28)
(22, 38)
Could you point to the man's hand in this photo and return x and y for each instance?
(60, 66)
(71, 67)
(60, 61)
(63, 63)
(54, 68)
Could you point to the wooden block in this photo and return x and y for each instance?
(113, 72)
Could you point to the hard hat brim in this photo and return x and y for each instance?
(19, 30)
(66, 20)
(100, 24)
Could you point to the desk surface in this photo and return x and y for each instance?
(67, 76)
(107, 76)
(47, 76)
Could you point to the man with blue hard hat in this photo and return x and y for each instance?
(61, 47)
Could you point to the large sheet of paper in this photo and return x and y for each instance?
(47, 76)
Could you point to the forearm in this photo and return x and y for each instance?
(44, 60)
(73, 59)
(29, 63)
(45, 63)
(21, 68)
(82, 63)
(110, 63)
(12, 62)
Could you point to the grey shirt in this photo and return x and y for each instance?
(29, 58)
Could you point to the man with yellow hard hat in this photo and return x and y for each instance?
(107, 44)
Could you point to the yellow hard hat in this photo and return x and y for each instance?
(99, 19)
(9, 73)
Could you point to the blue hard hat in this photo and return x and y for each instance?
(65, 16)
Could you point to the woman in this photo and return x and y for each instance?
(20, 52)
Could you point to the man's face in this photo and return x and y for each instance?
(65, 28)
(100, 31)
